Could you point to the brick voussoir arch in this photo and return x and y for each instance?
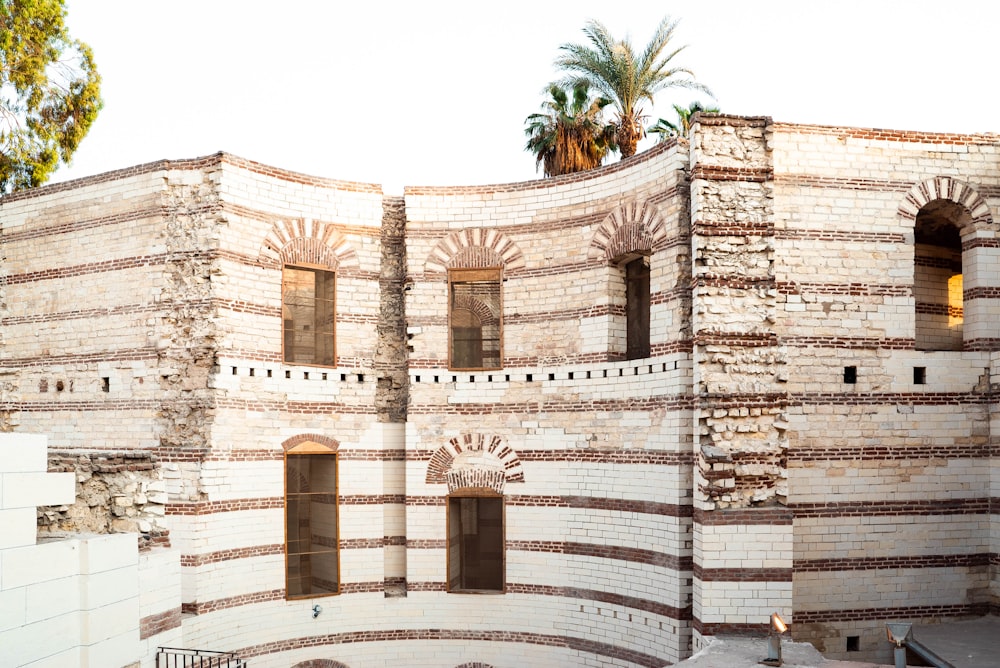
(634, 227)
(439, 469)
(946, 188)
(475, 248)
(290, 443)
(307, 241)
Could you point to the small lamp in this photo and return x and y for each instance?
(898, 633)
(778, 626)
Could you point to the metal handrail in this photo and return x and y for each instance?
(176, 657)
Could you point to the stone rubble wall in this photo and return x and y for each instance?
(116, 492)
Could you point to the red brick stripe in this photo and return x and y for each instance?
(742, 574)
(887, 452)
(584, 645)
(159, 622)
(883, 563)
(914, 612)
(877, 508)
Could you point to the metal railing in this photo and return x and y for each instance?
(174, 657)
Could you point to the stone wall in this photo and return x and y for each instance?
(785, 446)
(116, 492)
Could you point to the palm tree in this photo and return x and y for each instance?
(612, 67)
(666, 129)
(570, 136)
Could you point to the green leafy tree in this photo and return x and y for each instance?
(666, 129)
(616, 71)
(50, 92)
(570, 135)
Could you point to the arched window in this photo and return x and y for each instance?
(937, 276)
(312, 564)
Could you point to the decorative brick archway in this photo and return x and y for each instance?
(306, 241)
(946, 188)
(505, 466)
(634, 227)
(474, 249)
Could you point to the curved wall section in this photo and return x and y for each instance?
(591, 420)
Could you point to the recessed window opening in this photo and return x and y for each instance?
(853, 643)
(308, 301)
(474, 318)
(919, 375)
(475, 542)
(850, 374)
(637, 308)
(312, 564)
(938, 276)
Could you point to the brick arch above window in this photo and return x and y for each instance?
(320, 663)
(951, 189)
(633, 228)
(306, 241)
(455, 463)
(303, 441)
(474, 664)
(480, 308)
(475, 248)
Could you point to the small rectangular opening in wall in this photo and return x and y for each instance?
(437, 379)
(361, 377)
(552, 376)
(571, 375)
(850, 375)
(454, 379)
(305, 375)
(506, 378)
(489, 378)
(919, 375)
(528, 377)
(416, 379)
(472, 379)
(288, 374)
(105, 384)
(268, 373)
(323, 376)
(588, 375)
(343, 377)
(853, 643)
(234, 371)
(251, 371)
(605, 373)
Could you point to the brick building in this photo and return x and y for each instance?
(584, 421)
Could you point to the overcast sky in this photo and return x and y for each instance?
(436, 93)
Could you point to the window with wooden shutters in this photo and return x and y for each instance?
(312, 564)
(475, 319)
(308, 306)
(637, 308)
(475, 543)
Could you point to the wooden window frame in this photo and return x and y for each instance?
(305, 266)
(476, 493)
(637, 347)
(312, 449)
(472, 276)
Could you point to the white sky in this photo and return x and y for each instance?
(436, 93)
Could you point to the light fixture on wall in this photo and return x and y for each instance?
(778, 626)
(316, 610)
(898, 633)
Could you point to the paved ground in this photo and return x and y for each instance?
(973, 643)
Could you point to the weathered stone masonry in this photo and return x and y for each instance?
(812, 433)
